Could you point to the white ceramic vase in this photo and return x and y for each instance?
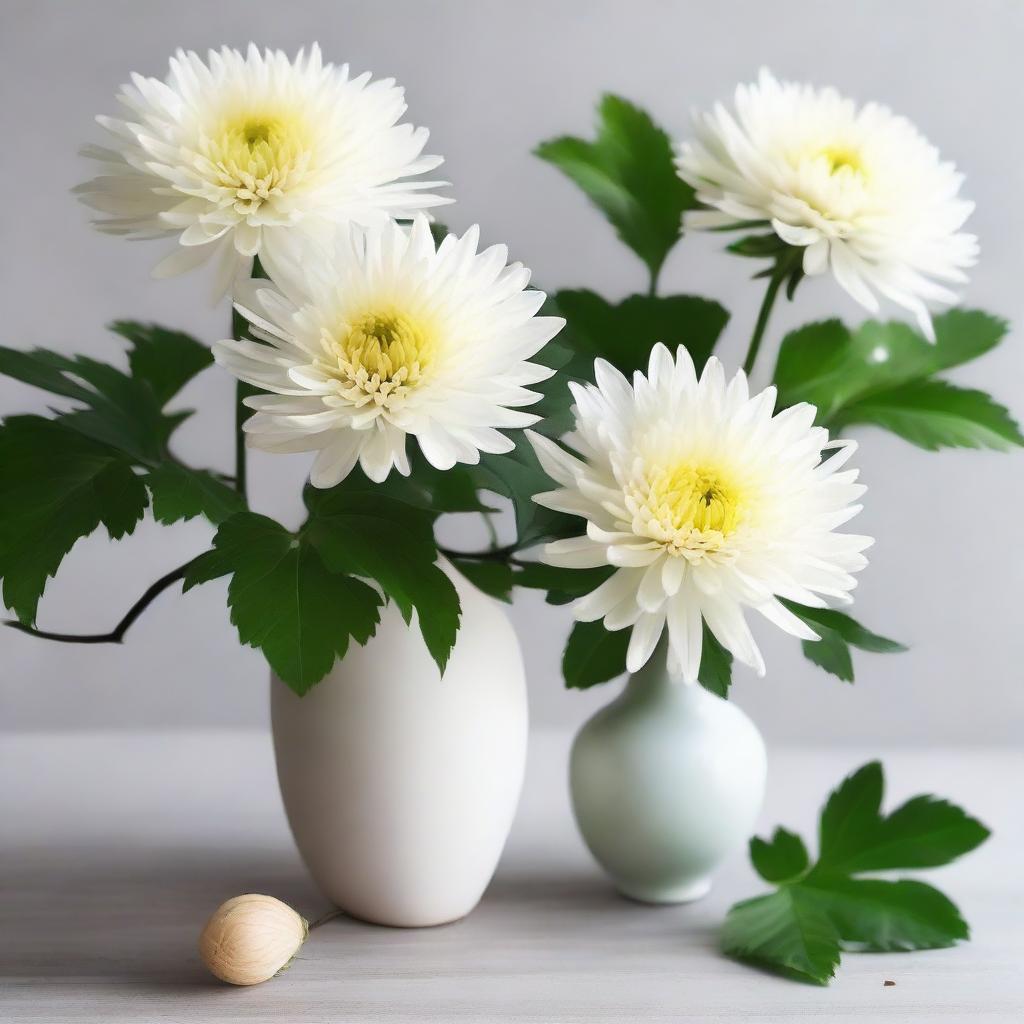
(666, 781)
(400, 786)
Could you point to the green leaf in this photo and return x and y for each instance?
(781, 859)
(563, 585)
(181, 493)
(769, 246)
(831, 367)
(56, 487)
(787, 931)
(850, 816)
(934, 414)
(593, 655)
(838, 633)
(284, 600)
(518, 476)
(624, 334)
(629, 173)
(492, 577)
(876, 916)
(715, 671)
(115, 409)
(861, 914)
(166, 360)
(393, 543)
(923, 832)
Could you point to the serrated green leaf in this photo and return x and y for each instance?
(934, 414)
(518, 476)
(180, 493)
(787, 931)
(624, 334)
(56, 487)
(492, 577)
(838, 632)
(850, 816)
(780, 859)
(284, 600)
(629, 173)
(715, 671)
(593, 655)
(831, 367)
(114, 408)
(877, 916)
(166, 360)
(865, 914)
(392, 543)
(924, 832)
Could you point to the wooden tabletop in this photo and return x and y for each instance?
(115, 847)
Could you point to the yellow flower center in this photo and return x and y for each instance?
(690, 508)
(379, 356)
(256, 155)
(842, 158)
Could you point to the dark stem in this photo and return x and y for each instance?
(117, 633)
(774, 284)
(491, 555)
(241, 412)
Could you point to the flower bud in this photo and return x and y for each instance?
(250, 938)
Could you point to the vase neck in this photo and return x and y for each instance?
(655, 676)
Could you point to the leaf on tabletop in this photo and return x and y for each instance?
(56, 487)
(923, 832)
(780, 859)
(787, 931)
(629, 173)
(818, 910)
(284, 599)
(876, 916)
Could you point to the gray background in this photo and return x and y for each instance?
(491, 80)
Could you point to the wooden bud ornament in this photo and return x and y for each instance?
(250, 938)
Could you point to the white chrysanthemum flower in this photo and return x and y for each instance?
(706, 503)
(382, 337)
(231, 154)
(859, 188)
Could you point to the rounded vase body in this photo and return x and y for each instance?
(666, 782)
(400, 786)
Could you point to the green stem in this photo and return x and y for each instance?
(652, 289)
(774, 284)
(241, 412)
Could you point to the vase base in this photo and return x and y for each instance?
(659, 895)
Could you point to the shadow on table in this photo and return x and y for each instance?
(129, 913)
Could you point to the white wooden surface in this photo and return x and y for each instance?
(115, 847)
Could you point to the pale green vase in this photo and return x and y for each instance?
(667, 782)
